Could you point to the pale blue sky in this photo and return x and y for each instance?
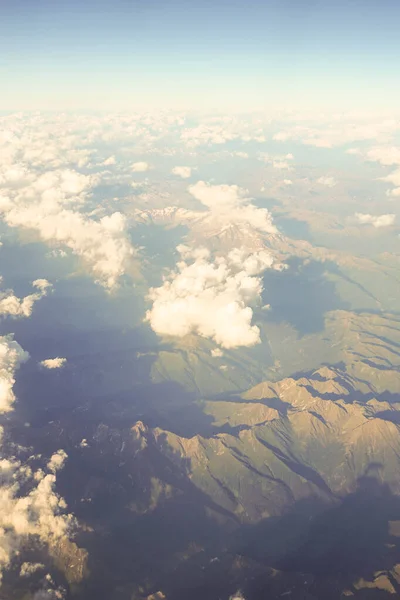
(185, 54)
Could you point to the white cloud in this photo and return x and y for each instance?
(216, 353)
(57, 461)
(376, 220)
(184, 172)
(237, 596)
(11, 357)
(11, 305)
(140, 167)
(385, 155)
(53, 363)
(44, 205)
(211, 297)
(219, 130)
(280, 164)
(111, 160)
(339, 130)
(30, 508)
(327, 181)
(230, 204)
(288, 182)
(277, 162)
(394, 193)
(393, 178)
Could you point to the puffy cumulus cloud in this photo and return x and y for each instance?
(59, 185)
(43, 141)
(53, 363)
(140, 167)
(11, 357)
(287, 182)
(11, 305)
(46, 205)
(30, 508)
(229, 203)
(211, 297)
(57, 461)
(327, 181)
(184, 172)
(376, 220)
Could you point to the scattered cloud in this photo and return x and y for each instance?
(140, 167)
(30, 509)
(288, 182)
(53, 363)
(211, 297)
(327, 181)
(184, 172)
(387, 156)
(277, 162)
(47, 205)
(376, 220)
(11, 357)
(11, 305)
(57, 461)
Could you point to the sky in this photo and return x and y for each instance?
(182, 54)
